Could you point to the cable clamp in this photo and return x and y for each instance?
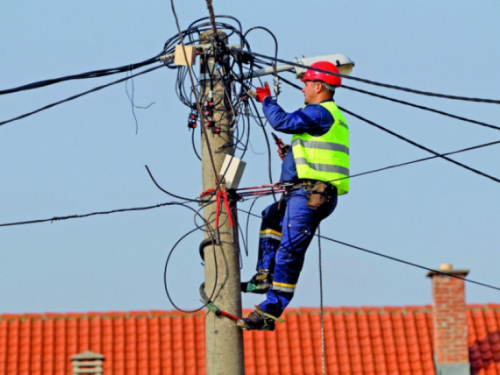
(211, 306)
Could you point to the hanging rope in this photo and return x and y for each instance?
(323, 357)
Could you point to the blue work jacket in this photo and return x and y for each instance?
(313, 119)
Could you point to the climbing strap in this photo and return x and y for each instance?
(266, 315)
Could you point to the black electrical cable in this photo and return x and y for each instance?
(290, 83)
(421, 146)
(275, 47)
(401, 88)
(245, 146)
(194, 146)
(423, 159)
(405, 103)
(394, 258)
(55, 218)
(167, 192)
(436, 155)
(248, 217)
(132, 104)
(245, 244)
(409, 263)
(86, 75)
(165, 284)
(267, 144)
(60, 218)
(79, 95)
(422, 107)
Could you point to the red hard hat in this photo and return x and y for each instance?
(313, 75)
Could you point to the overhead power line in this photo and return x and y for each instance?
(78, 95)
(422, 107)
(425, 159)
(393, 258)
(421, 146)
(59, 218)
(189, 200)
(409, 263)
(86, 75)
(405, 103)
(436, 154)
(375, 83)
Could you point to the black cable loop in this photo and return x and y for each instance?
(165, 283)
(248, 216)
(167, 192)
(194, 146)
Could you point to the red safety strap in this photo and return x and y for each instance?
(220, 193)
(225, 198)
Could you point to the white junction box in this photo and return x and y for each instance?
(180, 58)
(232, 170)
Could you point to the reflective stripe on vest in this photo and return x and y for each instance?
(325, 158)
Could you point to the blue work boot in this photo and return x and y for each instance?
(259, 283)
(258, 321)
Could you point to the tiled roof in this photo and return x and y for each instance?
(368, 340)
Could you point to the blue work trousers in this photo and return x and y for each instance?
(286, 232)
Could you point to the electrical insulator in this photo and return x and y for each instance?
(208, 109)
(193, 116)
(276, 85)
(216, 130)
(210, 124)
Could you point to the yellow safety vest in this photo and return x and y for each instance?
(325, 158)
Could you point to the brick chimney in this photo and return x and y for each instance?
(451, 352)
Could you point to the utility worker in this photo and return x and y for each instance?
(317, 170)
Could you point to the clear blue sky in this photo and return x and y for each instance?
(84, 156)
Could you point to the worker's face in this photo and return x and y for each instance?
(311, 90)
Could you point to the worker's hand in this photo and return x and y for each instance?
(262, 92)
(284, 150)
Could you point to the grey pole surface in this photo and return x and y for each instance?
(224, 341)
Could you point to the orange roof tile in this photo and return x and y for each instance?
(367, 340)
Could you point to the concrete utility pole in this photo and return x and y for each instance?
(224, 341)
